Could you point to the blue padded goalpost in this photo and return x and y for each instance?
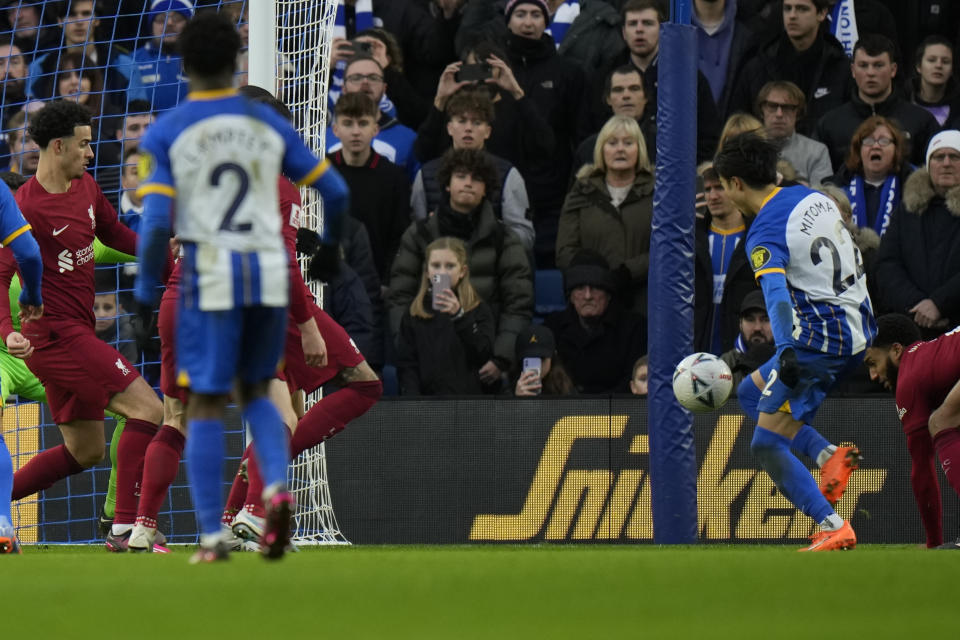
(673, 466)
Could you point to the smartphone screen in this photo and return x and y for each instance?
(532, 364)
(438, 282)
(474, 73)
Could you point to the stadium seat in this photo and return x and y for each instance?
(548, 291)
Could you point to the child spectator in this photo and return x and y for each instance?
(640, 378)
(113, 325)
(445, 341)
(552, 378)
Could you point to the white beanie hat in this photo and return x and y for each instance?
(949, 139)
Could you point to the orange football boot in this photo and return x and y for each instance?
(836, 473)
(843, 539)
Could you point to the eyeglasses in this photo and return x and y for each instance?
(943, 157)
(357, 78)
(883, 142)
(772, 107)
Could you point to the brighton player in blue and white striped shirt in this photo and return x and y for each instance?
(812, 278)
(213, 164)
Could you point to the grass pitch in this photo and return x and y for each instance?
(708, 591)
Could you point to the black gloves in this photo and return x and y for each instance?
(308, 241)
(325, 264)
(789, 367)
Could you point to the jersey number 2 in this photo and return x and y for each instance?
(840, 284)
(241, 173)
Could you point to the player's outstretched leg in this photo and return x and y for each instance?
(795, 482)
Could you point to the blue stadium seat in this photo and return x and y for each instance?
(391, 386)
(548, 291)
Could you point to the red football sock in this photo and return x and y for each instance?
(325, 419)
(238, 490)
(161, 463)
(43, 470)
(134, 440)
(948, 450)
(330, 415)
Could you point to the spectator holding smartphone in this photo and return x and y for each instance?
(447, 333)
(540, 370)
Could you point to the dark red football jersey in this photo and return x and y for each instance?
(64, 225)
(928, 371)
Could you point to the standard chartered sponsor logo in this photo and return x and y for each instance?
(65, 260)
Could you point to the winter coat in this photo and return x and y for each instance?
(919, 254)
(738, 283)
(620, 234)
(739, 47)
(442, 356)
(350, 306)
(599, 361)
(743, 363)
(594, 38)
(499, 271)
(159, 71)
(951, 98)
(836, 128)
(822, 72)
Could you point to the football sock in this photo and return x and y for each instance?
(926, 487)
(161, 463)
(809, 442)
(948, 450)
(748, 395)
(133, 445)
(110, 502)
(238, 490)
(789, 474)
(253, 501)
(330, 415)
(204, 456)
(6, 480)
(43, 470)
(270, 440)
(831, 523)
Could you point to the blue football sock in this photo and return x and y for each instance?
(748, 395)
(269, 440)
(204, 455)
(809, 442)
(789, 474)
(6, 480)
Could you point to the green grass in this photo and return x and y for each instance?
(709, 591)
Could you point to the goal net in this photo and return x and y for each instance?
(113, 71)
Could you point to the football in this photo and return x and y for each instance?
(702, 382)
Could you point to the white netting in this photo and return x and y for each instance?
(304, 33)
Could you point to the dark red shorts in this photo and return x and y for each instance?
(167, 328)
(341, 354)
(80, 373)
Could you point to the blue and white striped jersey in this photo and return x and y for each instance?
(218, 156)
(799, 233)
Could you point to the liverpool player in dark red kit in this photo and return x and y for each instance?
(925, 378)
(82, 375)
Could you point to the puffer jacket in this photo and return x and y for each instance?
(499, 271)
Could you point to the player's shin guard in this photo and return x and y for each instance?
(43, 470)
(809, 442)
(161, 463)
(133, 445)
(789, 474)
(748, 395)
(6, 480)
(270, 440)
(947, 444)
(204, 456)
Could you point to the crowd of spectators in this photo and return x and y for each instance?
(496, 141)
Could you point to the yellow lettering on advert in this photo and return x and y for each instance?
(640, 526)
(622, 498)
(593, 486)
(546, 479)
(716, 492)
(756, 521)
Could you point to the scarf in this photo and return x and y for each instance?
(562, 19)
(889, 199)
(843, 25)
(364, 21)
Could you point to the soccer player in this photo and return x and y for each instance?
(15, 234)
(925, 378)
(813, 282)
(214, 162)
(81, 374)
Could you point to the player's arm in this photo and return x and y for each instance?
(156, 189)
(947, 415)
(102, 254)
(15, 234)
